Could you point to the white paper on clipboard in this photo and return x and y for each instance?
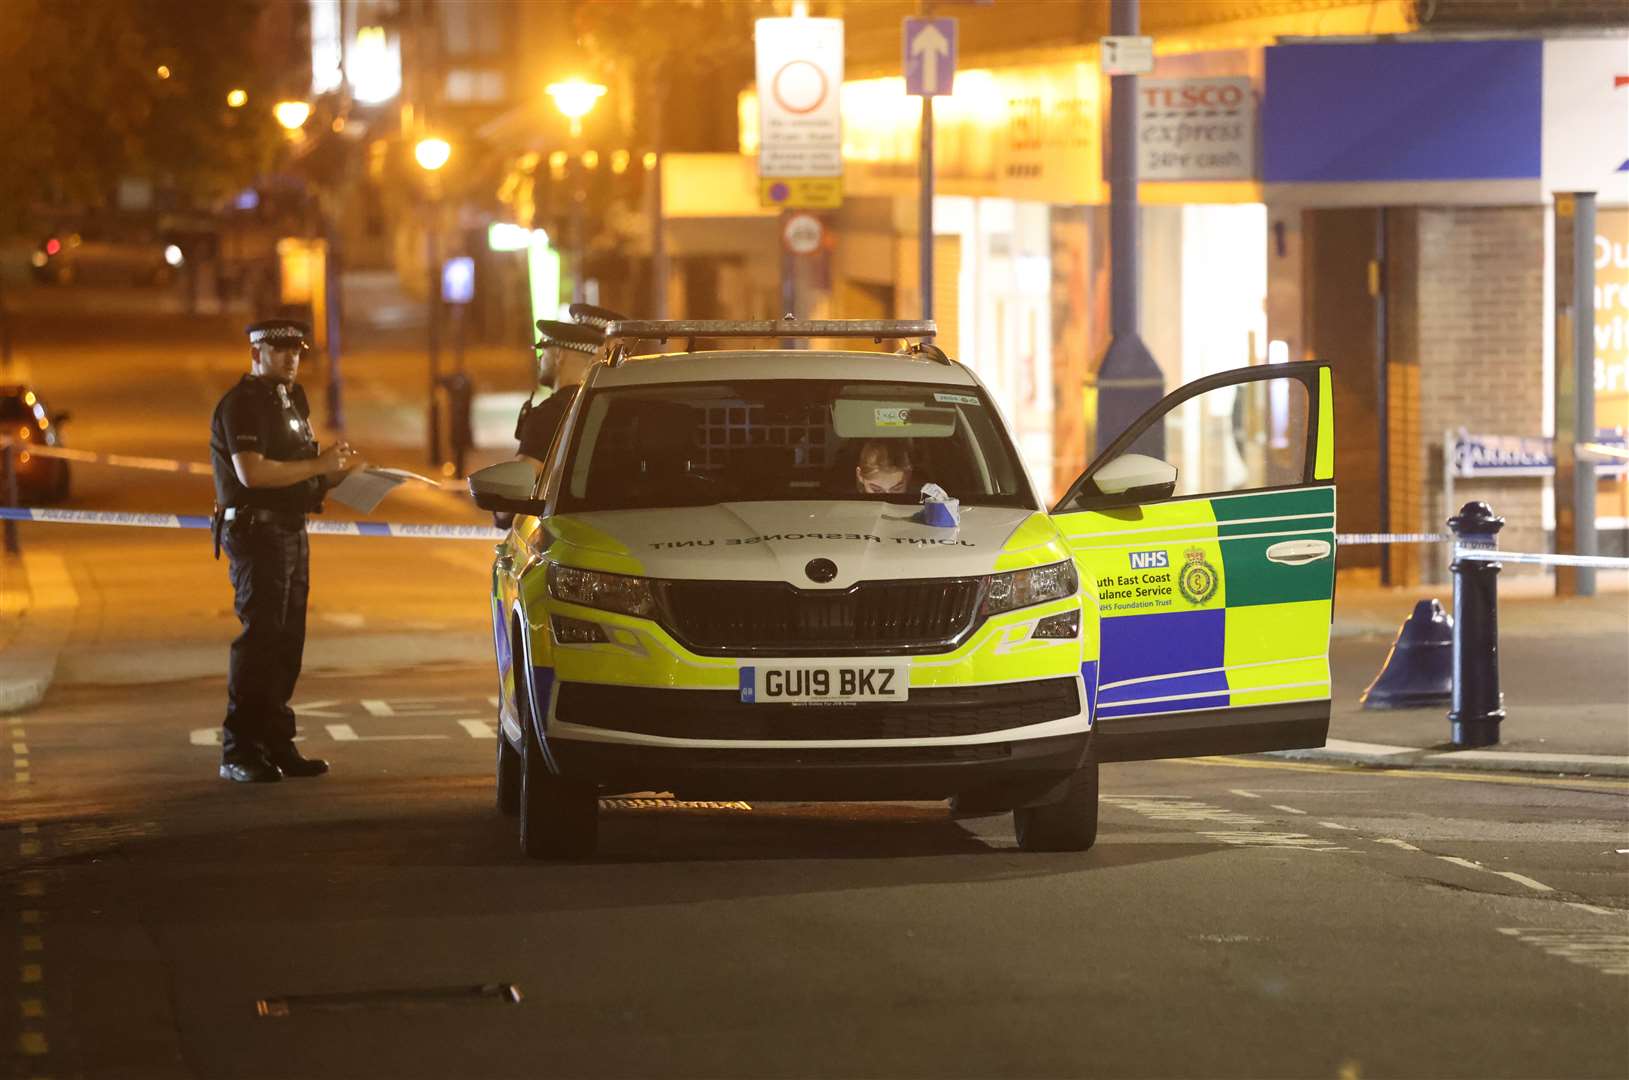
(362, 490)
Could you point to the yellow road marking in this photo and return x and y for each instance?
(19, 748)
(28, 847)
(33, 1043)
(31, 917)
(33, 1009)
(33, 943)
(1619, 786)
(31, 887)
(30, 973)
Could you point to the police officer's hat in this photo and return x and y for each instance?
(284, 332)
(593, 315)
(564, 335)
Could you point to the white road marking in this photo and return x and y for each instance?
(1335, 825)
(1523, 879)
(1296, 841)
(478, 729)
(1244, 794)
(1404, 844)
(1591, 908)
(418, 706)
(350, 620)
(1520, 879)
(1288, 809)
(346, 733)
(316, 709)
(1242, 833)
(494, 702)
(1604, 951)
(204, 736)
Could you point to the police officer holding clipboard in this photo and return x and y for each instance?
(269, 475)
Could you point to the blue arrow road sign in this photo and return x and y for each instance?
(930, 56)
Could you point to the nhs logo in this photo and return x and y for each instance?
(1149, 560)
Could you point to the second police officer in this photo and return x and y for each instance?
(269, 475)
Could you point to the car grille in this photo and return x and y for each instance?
(751, 618)
(720, 714)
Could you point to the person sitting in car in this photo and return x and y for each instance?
(884, 467)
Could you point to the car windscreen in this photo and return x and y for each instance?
(693, 444)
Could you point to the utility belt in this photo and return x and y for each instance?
(288, 519)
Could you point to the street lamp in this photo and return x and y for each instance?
(292, 114)
(432, 154)
(575, 98)
(237, 99)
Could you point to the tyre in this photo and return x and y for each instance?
(1070, 825)
(559, 818)
(509, 778)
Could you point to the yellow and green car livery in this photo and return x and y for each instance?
(826, 575)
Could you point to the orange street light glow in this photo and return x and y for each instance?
(292, 114)
(432, 153)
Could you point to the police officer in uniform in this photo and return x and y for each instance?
(268, 476)
(565, 352)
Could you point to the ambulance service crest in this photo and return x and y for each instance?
(1198, 579)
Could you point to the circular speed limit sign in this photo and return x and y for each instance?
(802, 234)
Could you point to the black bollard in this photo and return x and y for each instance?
(8, 489)
(1478, 703)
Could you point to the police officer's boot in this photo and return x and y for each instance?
(251, 771)
(290, 763)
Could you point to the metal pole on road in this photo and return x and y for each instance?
(924, 215)
(433, 330)
(9, 455)
(1128, 380)
(1574, 387)
(1478, 703)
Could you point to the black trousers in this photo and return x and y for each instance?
(271, 577)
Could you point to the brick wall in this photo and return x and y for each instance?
(1478, 327)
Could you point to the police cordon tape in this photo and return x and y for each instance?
(132, 461)
(404, 530)
(396, 529)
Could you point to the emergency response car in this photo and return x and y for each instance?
(725, 583)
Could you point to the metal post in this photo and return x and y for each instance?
(334, 288)
(579, 240)
(1574, 387)
(433, 330)
(1478, 703)
(789, 285)
(924, 213)
(9, 455)
(5, 325)
(658, 235)
(1128, 379)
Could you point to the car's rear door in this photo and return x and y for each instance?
(1215, 595)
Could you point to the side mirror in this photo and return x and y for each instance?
(506, 488)
(1137, 477)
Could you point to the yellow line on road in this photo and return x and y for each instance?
(30, 973)
(1617, 786)
(33, 1009)
(32, 1043)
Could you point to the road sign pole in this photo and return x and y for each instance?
(925, 208)
(1128, 380)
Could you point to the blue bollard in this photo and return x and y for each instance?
(1478, 703)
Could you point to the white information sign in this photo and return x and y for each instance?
(800, 81)
(1196, 129)
(1124, 55)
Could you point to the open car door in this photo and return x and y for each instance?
(1209, 528)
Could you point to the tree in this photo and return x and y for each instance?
(98, 90)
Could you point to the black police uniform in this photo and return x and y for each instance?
(263, 532)
(536, 427)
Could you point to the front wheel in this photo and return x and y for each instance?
(559, 819)
(1070, 825)
(509, 775)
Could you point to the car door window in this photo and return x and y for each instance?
(1239, 438)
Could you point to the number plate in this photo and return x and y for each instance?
(762, 683)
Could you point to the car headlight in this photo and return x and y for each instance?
(609, 592)
(1022, 588)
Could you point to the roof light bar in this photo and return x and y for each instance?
(876, 329)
